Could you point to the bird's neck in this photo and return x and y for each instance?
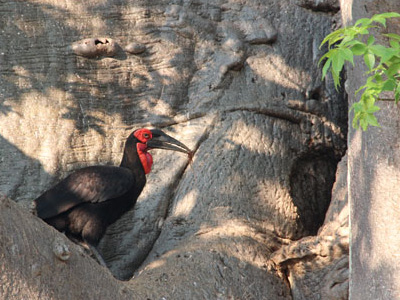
(132, 161)
(145, 158)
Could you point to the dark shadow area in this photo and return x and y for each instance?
(311, 181)
(21, 166)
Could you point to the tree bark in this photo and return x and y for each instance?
(373, 176)
(37, 262)
(237, 82)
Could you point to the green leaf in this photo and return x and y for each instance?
(371, 120)
(388, 54)
(379, 20)
(393, 69)
(358, 107)
(337, 62)
(364, 31)
(389, 85)
(336, 79)
(372, 109)
(351, 43)
(326, 55)
(392, 36)
(382, 62)
(377, 49)
(363, 124)
(347, 55)
(336, 40)
(326, 67)
(359, 49)
(371, 40)
(363, 22)
(356, 118)
(386, 15)
(394, 44)
(384, 53)
(337, 66)
(394, 60)
(397, 93)
(369, 60)
(352, 32)
(333, 36)
(368, 101)
(378, 77)
(359, 89)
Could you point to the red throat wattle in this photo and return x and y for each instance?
(145, 158)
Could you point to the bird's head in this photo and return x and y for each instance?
(155, 139)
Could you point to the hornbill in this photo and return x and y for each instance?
(86, 202)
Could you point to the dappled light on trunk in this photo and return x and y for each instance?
(238, 83)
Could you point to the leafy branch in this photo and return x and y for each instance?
(383, 63)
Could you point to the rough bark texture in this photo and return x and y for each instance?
(238, 82)
(317, 267)
(373, 177)
(36, 262)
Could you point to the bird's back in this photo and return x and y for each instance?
(88, 185)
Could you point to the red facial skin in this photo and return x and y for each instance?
(144, 135)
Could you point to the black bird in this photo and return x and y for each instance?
(86, 202)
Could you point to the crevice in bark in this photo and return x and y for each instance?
(311, 181)
(292, 115)
(97, 41)
(181, 119)
(325, 6)
(275, 113)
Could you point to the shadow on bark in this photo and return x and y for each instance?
(166, 87)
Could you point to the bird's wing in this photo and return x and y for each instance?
(91, 184)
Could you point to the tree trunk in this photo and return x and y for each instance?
(239, 83)
(36, 262)
(373, 177)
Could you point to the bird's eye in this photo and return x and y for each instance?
(146, 135)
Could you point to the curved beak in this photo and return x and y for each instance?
(162, 140)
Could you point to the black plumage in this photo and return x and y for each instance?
(86, 202)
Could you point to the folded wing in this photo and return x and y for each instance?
(91, 184)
